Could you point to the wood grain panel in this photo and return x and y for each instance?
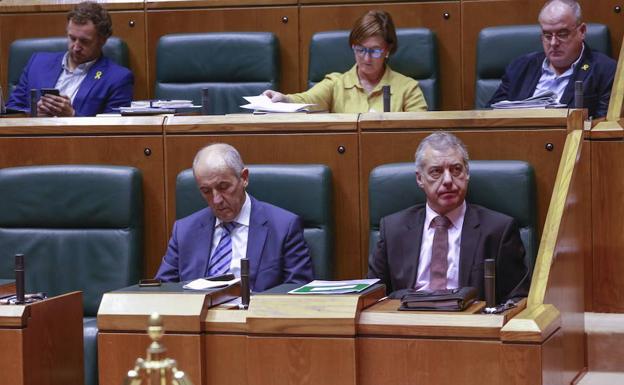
(289, 148)
(226, 359)
(405, 15)
(48, 349)
(117, 353)
(10, 6)
(164, 4)
(607, 221)
(301, 360)
(390, 361)
(480, 14)
(113, 150)
(30, 25)
(261, 19)
(377, 148)
(521, 364)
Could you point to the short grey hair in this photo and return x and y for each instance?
(572, 4)
(440, 141)
(220, 156)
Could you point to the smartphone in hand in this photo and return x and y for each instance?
(50, 91)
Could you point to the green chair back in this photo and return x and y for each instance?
(229, 64)
(305, 190)
(416, 57)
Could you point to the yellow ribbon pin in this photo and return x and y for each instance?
(585, 67)
(98, 74)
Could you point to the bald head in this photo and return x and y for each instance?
(553, 10)
(218, 156)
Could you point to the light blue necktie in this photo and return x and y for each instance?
(222, 256)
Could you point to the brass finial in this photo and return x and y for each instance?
(155, 369)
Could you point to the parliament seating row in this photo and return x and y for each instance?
(81, 226)
(232, 65)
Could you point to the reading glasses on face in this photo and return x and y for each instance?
(373, 52)
(561, 36)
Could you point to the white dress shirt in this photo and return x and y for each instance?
(456, 217)
(69, 81)
(239, 236)
(550, 81)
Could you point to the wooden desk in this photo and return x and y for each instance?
(123, 319)
(42, 342)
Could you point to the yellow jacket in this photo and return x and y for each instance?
(343, 93)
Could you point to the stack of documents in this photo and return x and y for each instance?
(334, 287)
(264, 104)
(204, 284)
(543, 100)
(156, 107)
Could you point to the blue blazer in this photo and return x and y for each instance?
(595, 70)
(276, 249)
(106, 86)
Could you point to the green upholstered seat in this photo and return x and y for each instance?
(305, 190)
(504, 186)
(21, 50)
(499, 46)
(416, 57)
(79, 227)
(229, 64)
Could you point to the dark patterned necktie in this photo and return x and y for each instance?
(439, 253)
(222, 256)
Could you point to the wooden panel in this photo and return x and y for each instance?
(267, 19)
(163, 4)
(119, 150)
(289, 148)
(607, 223)
(226, 359)
(405, 15)
(25, 25)
(117, 353)
(62, 5)
(390, 361)
(301, 360)
(522, 144)
(521, 364)
(56, 322)
(480, 14)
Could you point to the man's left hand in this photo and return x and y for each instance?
(53, 105)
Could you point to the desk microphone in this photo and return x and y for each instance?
(386, 98)
(245, 291)
(19, 279)
(33, 102)
(578, 94)
(490, 282)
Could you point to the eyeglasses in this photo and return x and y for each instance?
(373, 52)
(561, 36)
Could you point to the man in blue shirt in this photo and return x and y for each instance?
(565, 60)
(88, 82)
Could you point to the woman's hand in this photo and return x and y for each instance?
(276, 96)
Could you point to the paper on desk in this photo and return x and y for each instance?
(542, 100)
(334, 287)
(263, 103)
(204, 284)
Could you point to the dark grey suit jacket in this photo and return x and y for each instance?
(485, 234)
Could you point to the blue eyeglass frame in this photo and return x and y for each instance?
(373, 52)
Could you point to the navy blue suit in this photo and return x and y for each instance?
(276, 249)
(595, 70)
(107, 85)
(485, 234)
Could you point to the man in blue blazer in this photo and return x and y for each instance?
(88, 82)
(235, 225)
(565, 60)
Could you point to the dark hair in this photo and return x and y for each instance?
(374, 23)
(91, 11)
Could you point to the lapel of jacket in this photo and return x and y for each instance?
(203, 234)
(53, 71)
(96, 74)
(256, 238)
(411, 244)
(534, 74)
(469, 241)
(581, 71)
